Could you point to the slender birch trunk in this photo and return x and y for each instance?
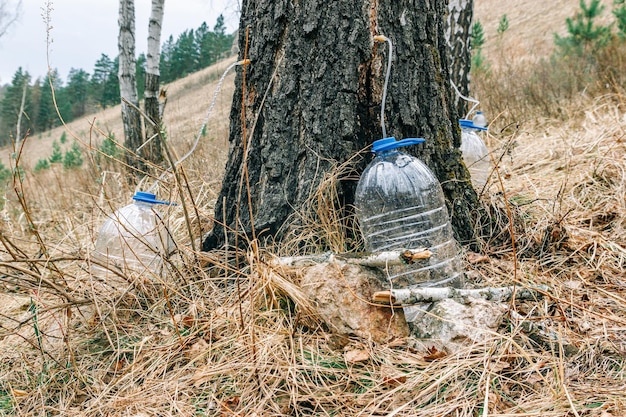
(154, 149)
(131, 118)
(458, 31)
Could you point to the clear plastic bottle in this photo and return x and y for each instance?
(400, 205)
(475, 154)
(133, 239)
(479, 120)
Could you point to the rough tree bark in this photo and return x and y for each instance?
(154, 149)
(458, 30)
(131, 117)
(313, 95)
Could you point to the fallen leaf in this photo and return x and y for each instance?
(391, 376)
(357, 355)
(188, 321)
(118, 366)
(434, 354)
(230, 404)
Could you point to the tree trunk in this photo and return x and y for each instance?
(458, 30)
(131, 118)
(312, 101)
(154, 150)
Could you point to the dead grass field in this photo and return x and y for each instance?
(205, 340)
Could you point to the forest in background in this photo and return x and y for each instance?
(84, 93)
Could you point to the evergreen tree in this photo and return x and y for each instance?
(78, 91)
(165, 66)
(205, 44)
(585, 36)
(11, 105)
(74, 157)
(185, 57)
(57, 154)
(104, 83)
(47, 117)
(223, 42)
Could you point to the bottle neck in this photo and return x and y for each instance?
(144, 204)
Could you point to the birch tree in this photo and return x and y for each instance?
(153, 82)
(312, 99)
(131, 117)
(458, 30)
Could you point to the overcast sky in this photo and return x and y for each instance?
(82, 30)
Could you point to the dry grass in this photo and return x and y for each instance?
(208, 339)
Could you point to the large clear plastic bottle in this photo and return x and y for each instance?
(132, 240)
(400, 205)
(475, 153)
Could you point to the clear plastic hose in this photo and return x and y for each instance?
(382, 38)
(206, 119)
(470, 99)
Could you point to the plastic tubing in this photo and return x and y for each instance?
(206, 117)
(470, 99)
(210, 110)
(383, 38)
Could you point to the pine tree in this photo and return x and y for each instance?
(11, 105)
(584, 35)
(165, 66)
(104, 84)
(47, 117)
(57, 154)
(78, 91)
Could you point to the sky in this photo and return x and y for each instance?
(83, 30)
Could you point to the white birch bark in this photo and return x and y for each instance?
(131, 118)
(410, 296)
(154, 37)
(458, 31)
(153, 110)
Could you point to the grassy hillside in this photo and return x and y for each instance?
(207, 340)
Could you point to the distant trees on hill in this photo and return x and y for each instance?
(84, 93)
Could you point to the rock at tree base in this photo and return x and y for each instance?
(341, 294)
(455, 325)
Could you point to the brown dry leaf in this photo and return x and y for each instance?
(476, 258)
(356, 355)
(434, 354)
(187, 321)
(391, 376)
(118, 366)
(229, 405)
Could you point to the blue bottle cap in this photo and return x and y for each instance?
(468, 124)
(148, 198)
(387, 144)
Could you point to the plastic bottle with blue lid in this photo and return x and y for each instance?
(133, 240)
(474, 151)
(400, 205)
